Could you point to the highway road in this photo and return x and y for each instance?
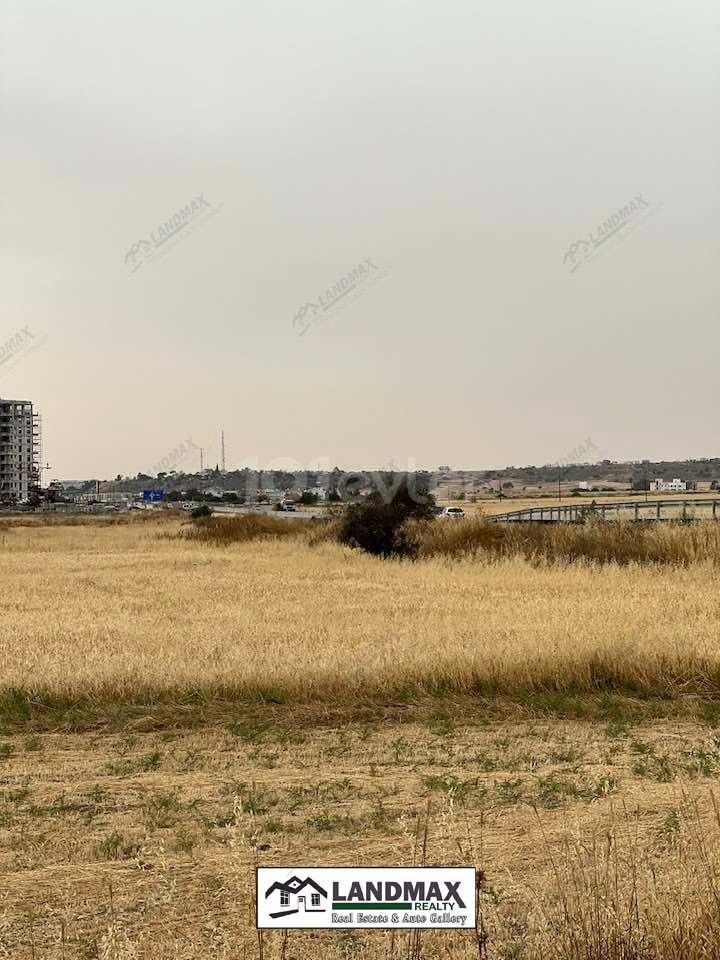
(231, 509)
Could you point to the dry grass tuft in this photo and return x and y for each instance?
(622, 543)
(223, 531)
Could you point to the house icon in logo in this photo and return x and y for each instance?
(294, 896)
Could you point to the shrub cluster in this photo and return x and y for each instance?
(379, 523)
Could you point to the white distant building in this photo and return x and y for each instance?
(668, 486)
(583, 485)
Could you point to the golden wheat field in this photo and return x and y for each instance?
(123, 613)
(173, 713)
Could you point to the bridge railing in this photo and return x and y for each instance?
(639, 509)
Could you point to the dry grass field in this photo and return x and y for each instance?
(174, 712)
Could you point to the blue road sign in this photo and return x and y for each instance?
(153, 496)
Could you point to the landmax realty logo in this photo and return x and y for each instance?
(343, 291)
(635, 212)
(181, 222)
(378, 897)
(20, 344)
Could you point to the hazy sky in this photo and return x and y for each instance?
(461, 147)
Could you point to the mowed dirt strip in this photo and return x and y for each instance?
(144, 844)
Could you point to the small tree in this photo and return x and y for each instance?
(309, 498)
(377, 524)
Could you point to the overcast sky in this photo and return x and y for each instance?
(460, 147)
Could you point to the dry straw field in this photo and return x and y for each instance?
(180, 702)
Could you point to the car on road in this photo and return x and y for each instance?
(453, 513)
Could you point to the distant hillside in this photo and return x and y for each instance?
(249, 481)
(612, 471)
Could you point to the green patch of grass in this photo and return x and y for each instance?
(6, 750)
(710, 713)
(658, 768)
(325, 791)
(184, 841)
(327, 822)
(98, 794)
(617, 729)
(510, 792)
(601, 787)
(566, 755)
(161, 809)
(18, 796)
(33, 744)
(57, 807)
(117, 846)
(119, 768)
(669, 829)
(251, 798)
(553, 790)
(702, 763)
(249, 730)
(451, 785)
(269, 695)
(380, 818)
(151, 761)
(442, 725)
(276, 825)
(484, 763)
(15, 705)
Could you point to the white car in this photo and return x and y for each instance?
(453, 513)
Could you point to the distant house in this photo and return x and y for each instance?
(295, 895)
(668, 486)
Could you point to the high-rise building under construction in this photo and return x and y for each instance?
(20, 450)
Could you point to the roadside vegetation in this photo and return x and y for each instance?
(404, 529)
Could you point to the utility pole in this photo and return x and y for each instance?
(222, 448)
(201, 459)
(559, 491)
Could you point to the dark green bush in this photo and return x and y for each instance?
(378, 523)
